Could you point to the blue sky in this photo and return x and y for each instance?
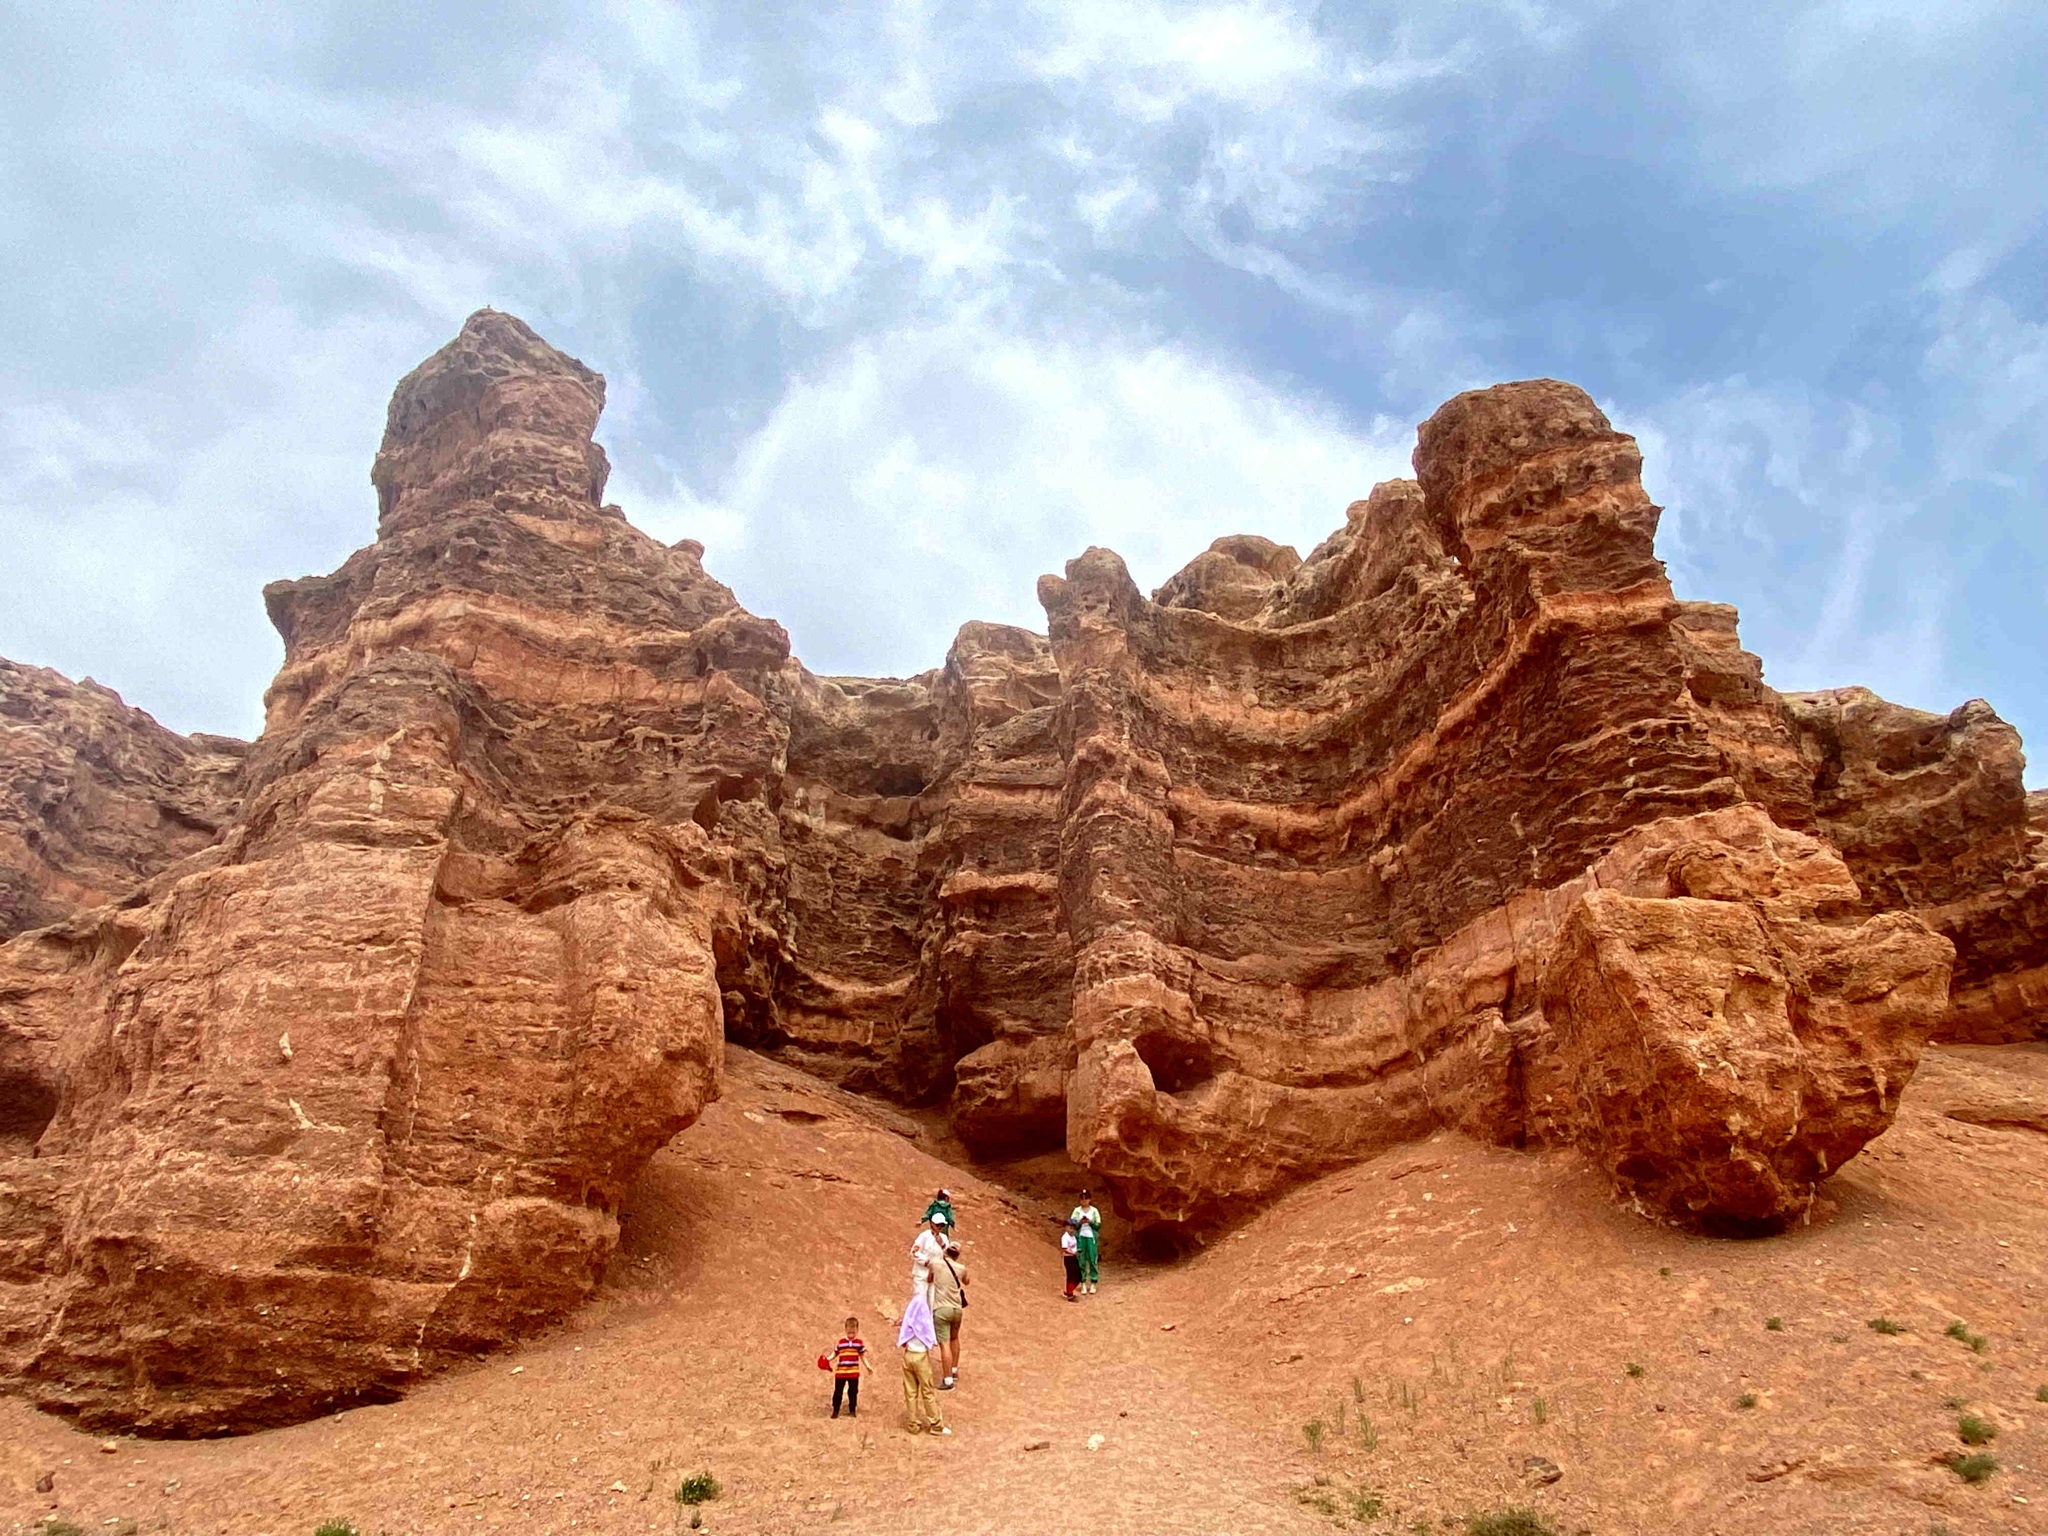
(902, 305)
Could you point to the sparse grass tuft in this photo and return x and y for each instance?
(1886, 1325)
(1634, 1368)
(1775, 1324)
(1974, 1468)
(337, 1528)
(1960, 1331)
(1321, 1500)
(697, 1488)
(57, 1525)
(1747, 1400)
(1665, 1271)
(1358, 1390)
(2041, 1393)
(1313, 1432)
(1368, 1433)
(1364, 1505)
(1517, 1521)
(1540, 1411)
(1972, 1430)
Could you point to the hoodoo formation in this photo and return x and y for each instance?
(329, 1060)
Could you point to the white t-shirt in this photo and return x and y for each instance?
(1090, 1219)
(925, 1251)
(1068, 1243)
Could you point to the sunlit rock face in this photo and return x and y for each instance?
(338, 1069)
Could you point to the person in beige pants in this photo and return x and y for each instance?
(920, 1396)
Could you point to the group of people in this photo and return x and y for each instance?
(929, 1335)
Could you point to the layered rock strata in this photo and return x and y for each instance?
(96, 797)
(1462, 821)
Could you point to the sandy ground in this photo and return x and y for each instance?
(1381, 1351)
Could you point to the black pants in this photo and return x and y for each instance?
(1073, 1271)
(850, 1385)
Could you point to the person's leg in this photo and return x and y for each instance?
(953, 1348)
(853, 1397)
(1088, 1262)
(1073, 1273)
(928, 1393)
(838, 1390)
(910, 1406)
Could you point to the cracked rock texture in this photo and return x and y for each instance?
(329, 1060)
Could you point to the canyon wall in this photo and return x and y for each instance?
(328, 1060)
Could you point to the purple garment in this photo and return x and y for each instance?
(917, 1324)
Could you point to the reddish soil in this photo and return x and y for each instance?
(1436, 1295)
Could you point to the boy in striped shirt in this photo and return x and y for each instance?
(849, 1359)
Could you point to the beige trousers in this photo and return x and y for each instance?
(920, 1397)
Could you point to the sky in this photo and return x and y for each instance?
(903, 304)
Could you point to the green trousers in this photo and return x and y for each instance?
(1088, 1270)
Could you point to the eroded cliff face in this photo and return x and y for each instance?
(96, 797)
(1462, 821)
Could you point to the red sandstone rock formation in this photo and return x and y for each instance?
(361, 1090)
(1463, 821)
(96, 797)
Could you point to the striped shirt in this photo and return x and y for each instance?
(847, 1355)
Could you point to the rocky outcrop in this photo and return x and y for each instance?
(1932, 814)
(96, 797)
(1462, 821)
(360, 1091)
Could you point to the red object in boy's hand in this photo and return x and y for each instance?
(824, 1362)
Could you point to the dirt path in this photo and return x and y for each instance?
(1416, 1309)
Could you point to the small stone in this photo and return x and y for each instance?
(1541, 1471)
(1037, 1445)
(618, 1488)
(1095, 1442)
(518, 1370)
(284, 1046)
(108, 1447)
(1166, 1327)
(46, 1482)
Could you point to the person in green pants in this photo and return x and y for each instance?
(1088, 1230)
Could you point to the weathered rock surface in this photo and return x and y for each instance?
(96, 797)
(360, 1091)
(1462, 821)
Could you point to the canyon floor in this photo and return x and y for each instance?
(1383, 1350)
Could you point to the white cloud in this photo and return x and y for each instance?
(926, 476)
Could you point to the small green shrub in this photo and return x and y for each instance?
(1886, 1326)
(1974, 1468)
(57, 1525)
(337, 1528)
(1633, 1368)
(1747, 1400)
(1518, 1521)
(1313, 1432)
(1972, 1430)
(697, 1488)
(1775, 1324)
(2041, 1393)
(1365, 1506)
(1960, 1332)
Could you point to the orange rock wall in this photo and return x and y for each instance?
(1462, 821)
